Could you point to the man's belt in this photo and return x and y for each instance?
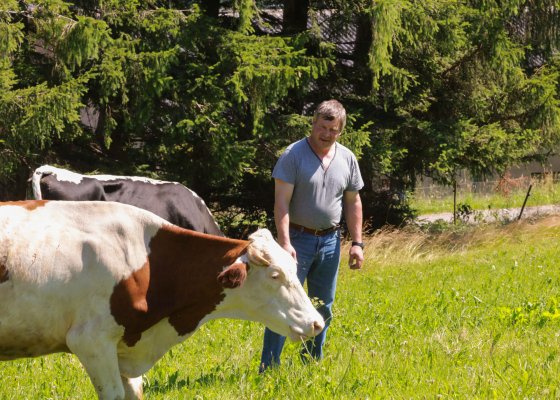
(316, 232)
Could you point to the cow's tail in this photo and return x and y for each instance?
(36, 180)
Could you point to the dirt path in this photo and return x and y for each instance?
(493, 215)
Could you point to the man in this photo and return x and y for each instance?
(316, 179)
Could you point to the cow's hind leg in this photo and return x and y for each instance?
(133, 388)
(98, 355)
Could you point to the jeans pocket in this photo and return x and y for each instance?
(295, 233)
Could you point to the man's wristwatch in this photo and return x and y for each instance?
(359, 244)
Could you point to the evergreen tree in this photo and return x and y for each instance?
(456, 81)
(210, 93)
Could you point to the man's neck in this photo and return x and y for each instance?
(322, 152)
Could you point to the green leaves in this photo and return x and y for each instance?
(81, 42)
(454, 79)
(387, 27)
(211, 98)
(356, 139)
(36, 114)
(266, 68)
(11, 37)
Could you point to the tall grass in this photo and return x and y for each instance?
(471, 313)
(504, 194)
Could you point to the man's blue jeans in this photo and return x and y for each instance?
(318, 258)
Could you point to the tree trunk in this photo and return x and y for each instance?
(295, 16)
(364, 40)
(295, 21)
(211, 8)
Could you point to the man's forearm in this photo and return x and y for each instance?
(282, 221)
(355, 228)
(354, 219)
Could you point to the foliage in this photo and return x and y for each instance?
(210, 98)
(457, 80)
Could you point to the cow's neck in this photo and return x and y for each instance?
(178, 282)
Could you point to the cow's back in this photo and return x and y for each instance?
(171, 201)
(53, 189)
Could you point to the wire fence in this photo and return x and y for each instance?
(504, 186)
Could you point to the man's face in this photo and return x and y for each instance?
(324, 132)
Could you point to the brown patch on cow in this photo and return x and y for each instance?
(179, 281)
(27, 204)
(4, 275)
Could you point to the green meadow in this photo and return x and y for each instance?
(543, 192)
(473, 312)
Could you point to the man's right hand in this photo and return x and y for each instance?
(290, 249)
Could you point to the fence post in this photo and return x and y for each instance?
(455, 202)
(525, 202)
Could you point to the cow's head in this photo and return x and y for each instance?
(266, 289)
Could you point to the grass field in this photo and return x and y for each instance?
(471, 313)
(502, 196)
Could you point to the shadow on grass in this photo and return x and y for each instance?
(162, 386)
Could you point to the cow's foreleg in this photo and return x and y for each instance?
(98, 355)
(133, 388)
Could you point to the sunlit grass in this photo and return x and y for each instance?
(469, 313)
(499, 196)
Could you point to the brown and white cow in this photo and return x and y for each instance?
(172, 201)
(118, 286)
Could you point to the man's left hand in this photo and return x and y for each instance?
(356, 258)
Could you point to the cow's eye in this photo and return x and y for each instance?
(275, 275)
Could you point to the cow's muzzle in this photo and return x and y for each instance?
(297, 334)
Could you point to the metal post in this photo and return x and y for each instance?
(455, 202)
(525, 201)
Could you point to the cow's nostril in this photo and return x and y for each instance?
(317, 326)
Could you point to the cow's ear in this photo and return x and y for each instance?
(233, 276)
(258, 257)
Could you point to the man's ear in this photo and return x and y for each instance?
(257, 257)
(233, 276)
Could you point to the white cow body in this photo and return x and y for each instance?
(74, 276)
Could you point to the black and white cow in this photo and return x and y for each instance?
(170, 200)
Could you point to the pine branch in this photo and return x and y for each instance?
(29, 14)
(468, 57)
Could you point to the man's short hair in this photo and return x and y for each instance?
(331, 110)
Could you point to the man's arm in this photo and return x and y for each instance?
(282, 196)
(353, 216)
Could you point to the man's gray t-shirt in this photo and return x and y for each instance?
(317, 198)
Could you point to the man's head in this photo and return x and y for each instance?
(328, 122)
(331, 110)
